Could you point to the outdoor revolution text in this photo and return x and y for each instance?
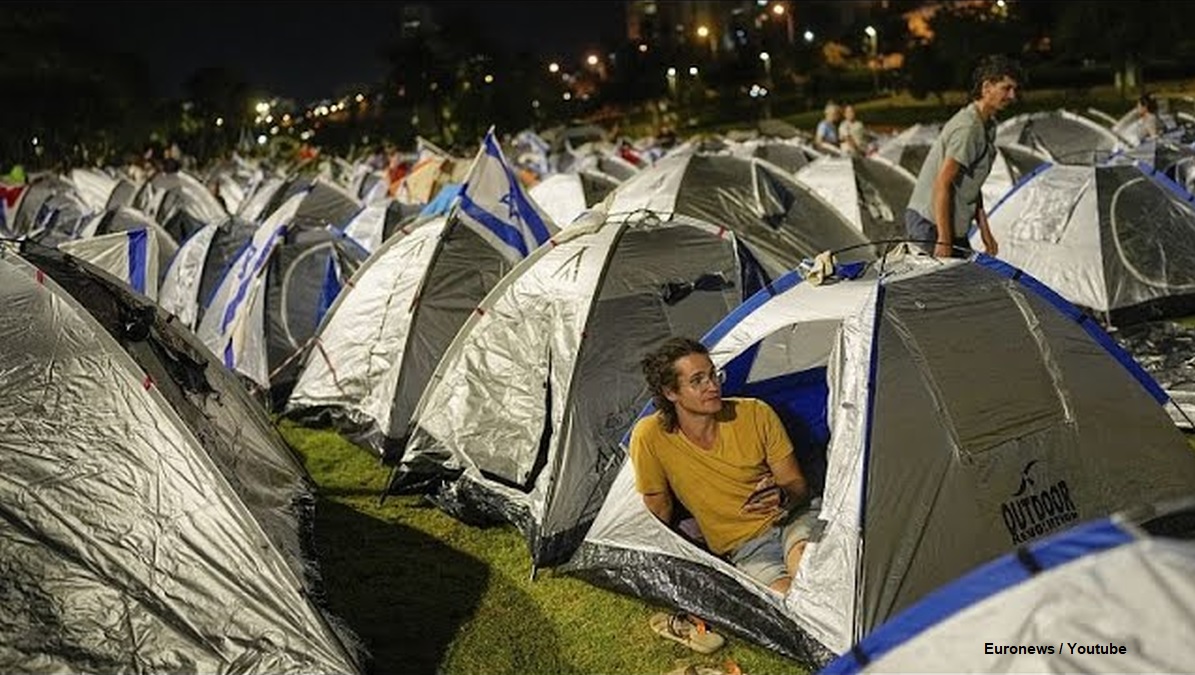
(1062, 648)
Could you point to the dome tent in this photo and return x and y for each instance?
(564, 196)
(938, 378)
(1116, 239)
(139, 556)
(780, 219)
(521, 420)
(383, 337)
(1118, 592)
(1062, 136)
(198, 267)
(871, 192)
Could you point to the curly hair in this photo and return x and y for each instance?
(993, 68)
(659, 369)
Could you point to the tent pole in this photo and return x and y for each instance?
(389, 484)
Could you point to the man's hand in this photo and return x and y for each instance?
(943, 250)
(768, 502)
(989, 245)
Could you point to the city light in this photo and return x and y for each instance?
(1000, 4)
(35, 141)
(261, 139)
(360, 97)
(693, 71)
(764, 56)
(642, 49)
(567, 96)
(871, 31)
(219, 121)
(262, 107)
(553, 67)
(672, 72)
(489, 79)
(592, 60)
(778, 9)
(703, 32)
(809, 36)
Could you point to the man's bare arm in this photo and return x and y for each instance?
(660, 505)
(788, 476)
(943, 205)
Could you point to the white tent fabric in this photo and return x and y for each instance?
(565, 196)
(1013, 163)
(130, 256)
(355, 365)
(124, 219)
(125, 548)
(965, 381)
(910, 147)
(871, 192)
(1102, 597)
(524, 413)
(1112, 238)
(94, 187)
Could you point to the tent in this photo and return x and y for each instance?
(910, 147)
(179, 203)
(780, 219)
(269, 302)
(1062, 136)
(377, 221)
(1117, 239)
(126, 219)
(49, 209)
(564, 196)
(1174, 160)
(1112, 595)
(94, 187)
(521, 420)
(130, 256)
(791, 156)
(1012, 164)
(373, 356)
(199, 265)
(125, 547)
(871, 192)
(949, 410)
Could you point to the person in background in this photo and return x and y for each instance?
(948, 193)
(1147, 114)
(825, 137)
(852, 133)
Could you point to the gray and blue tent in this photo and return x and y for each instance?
(1111, 595)
(1116, 239)
(947, 411)
(199, 265)
(1060, 135)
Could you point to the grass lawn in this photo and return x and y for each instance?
(427, 594)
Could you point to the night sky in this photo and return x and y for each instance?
(307, 49)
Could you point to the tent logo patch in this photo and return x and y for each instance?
(1037, 506)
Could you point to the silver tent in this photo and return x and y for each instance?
(1060, 135)
(780, 219)
(1105, 596)
(124, 546)
(1117, 239)
(522, 418)
(871, 192)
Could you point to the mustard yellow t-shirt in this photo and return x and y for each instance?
(713, 484)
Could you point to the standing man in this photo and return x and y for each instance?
(728, 461)
(948, 193)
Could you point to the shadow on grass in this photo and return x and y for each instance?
(405, 593)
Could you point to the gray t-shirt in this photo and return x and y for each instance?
(973, 145)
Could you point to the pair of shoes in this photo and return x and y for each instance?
(687, 630)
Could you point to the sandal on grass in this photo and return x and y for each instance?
(687, 630)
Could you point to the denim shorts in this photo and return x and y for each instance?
(762, 558)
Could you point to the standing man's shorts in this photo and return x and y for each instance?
(762, 558)
(924, 233)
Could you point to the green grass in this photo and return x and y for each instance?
(428, 594)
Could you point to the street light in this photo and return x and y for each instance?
(553, 67)
(592, 60)
(809, 36)
(873, 62)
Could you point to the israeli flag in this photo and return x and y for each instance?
(493, 204)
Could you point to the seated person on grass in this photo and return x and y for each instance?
(728, 461)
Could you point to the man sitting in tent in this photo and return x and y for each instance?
(728, 461)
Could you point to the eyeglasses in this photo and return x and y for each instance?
(699, 381)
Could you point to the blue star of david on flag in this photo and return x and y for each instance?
(493, 203)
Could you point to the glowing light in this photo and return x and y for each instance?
(592, 60)
(219, 121)
(262, 107)
(642, 49)
(360, 97)
(489, 79)
(567, 96)
(672, 72)
(693, 71)
(778, 9)
(35, 141)
(764, 56)
(261, 139)
(809, 36)
(553, 67)
(871, 31)
(703, 32)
